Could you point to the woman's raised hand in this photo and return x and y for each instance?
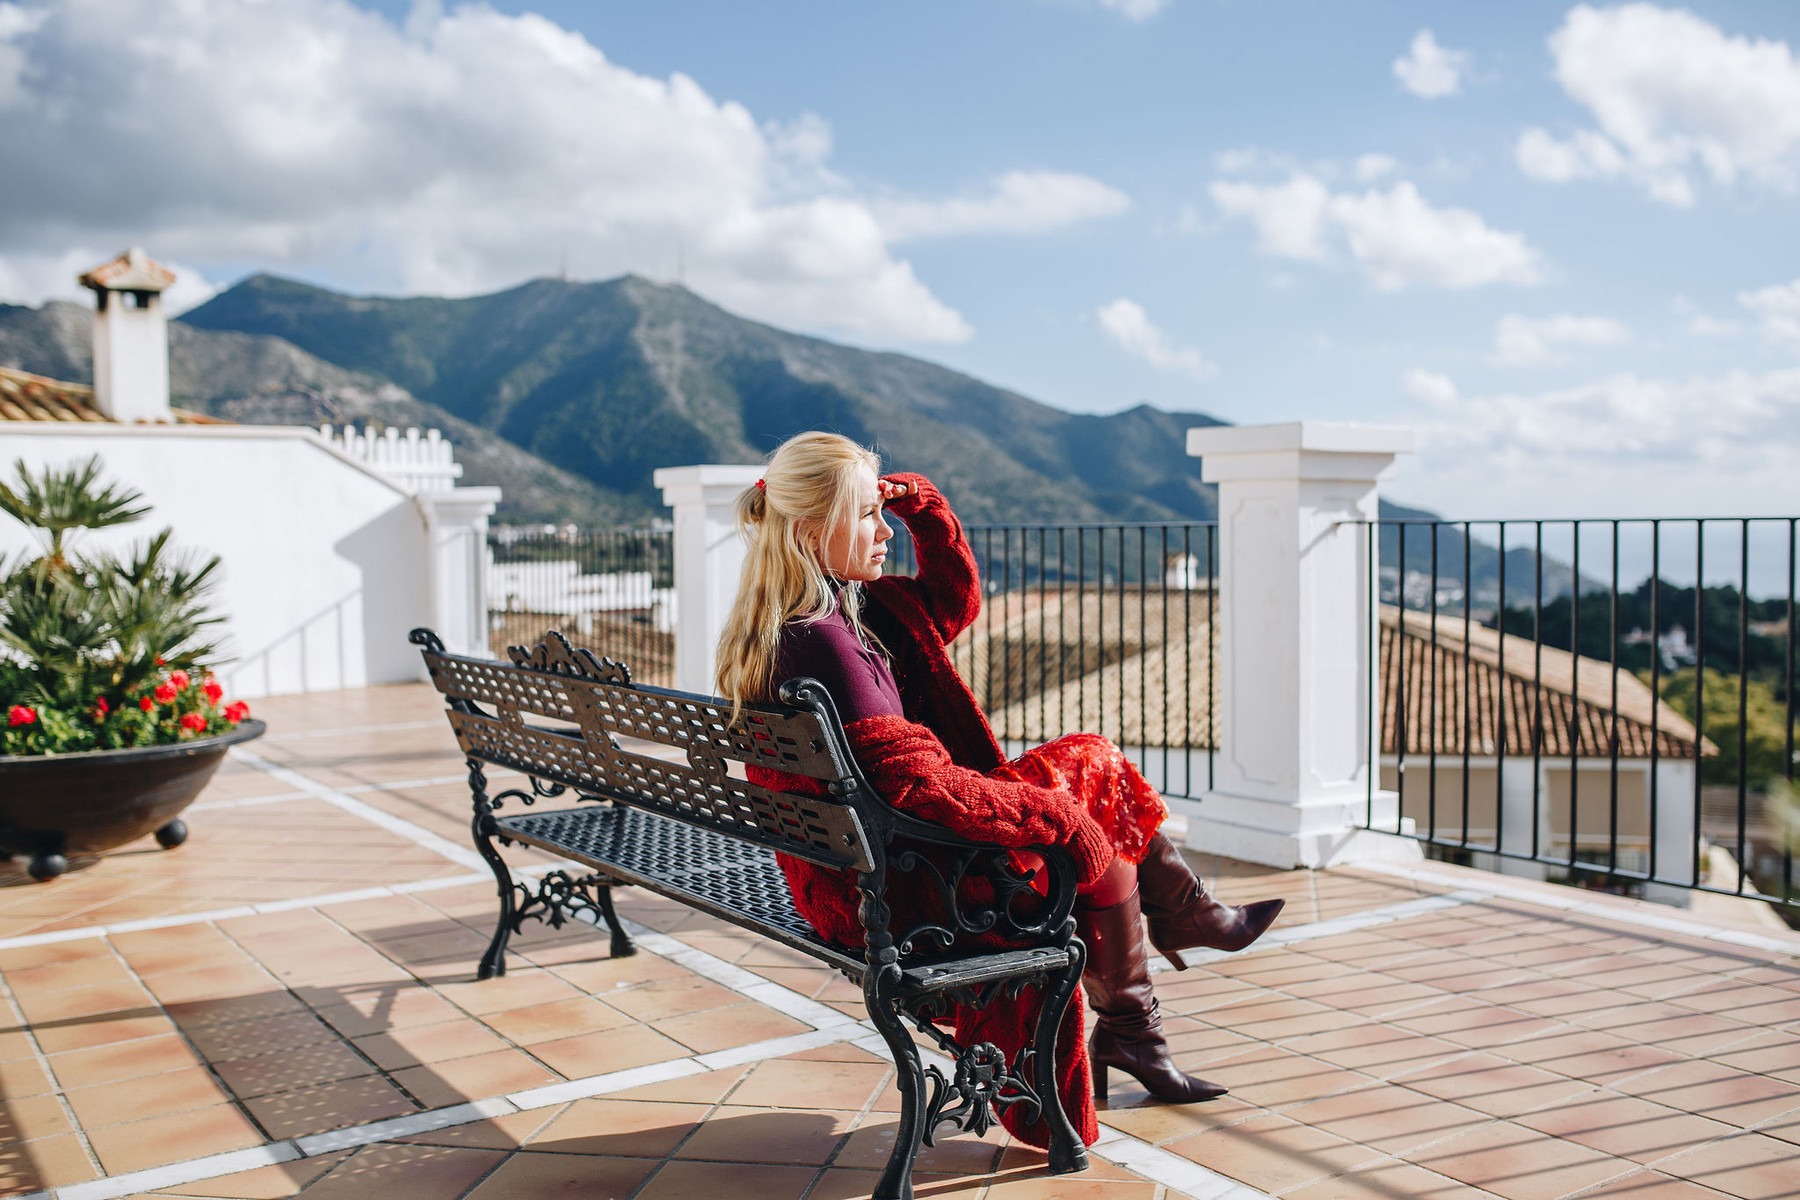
(893, 489)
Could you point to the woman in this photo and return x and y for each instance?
(814, 602)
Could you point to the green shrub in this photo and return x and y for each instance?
(101, 651)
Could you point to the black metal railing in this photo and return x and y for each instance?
(1609, 699)
(1106, 629)
(609, 590)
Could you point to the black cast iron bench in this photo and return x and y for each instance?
(698, 832)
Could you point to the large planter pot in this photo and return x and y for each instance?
(56, 805)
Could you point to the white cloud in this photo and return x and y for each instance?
(1129, 327)
(1621, 446)
(1135, 10)
(1521, 341)
(1017, 202)
(1676, 100)
(453, 152)
(1430, 71)
(1395, 236)
(1370, 167)
(1777, 309)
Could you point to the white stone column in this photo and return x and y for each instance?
(709, 559)
(1298, 618)
(456, 528)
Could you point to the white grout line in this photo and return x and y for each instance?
(369, 813)
(467, 1113)
(1588, 908)
(1275, 939)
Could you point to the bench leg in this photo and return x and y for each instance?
(481, 829)
(896, 1180)
(622, 945)
(1066, 1153)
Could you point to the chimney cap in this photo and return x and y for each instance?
(132, 271)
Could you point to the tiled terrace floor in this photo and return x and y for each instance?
(285, 1006)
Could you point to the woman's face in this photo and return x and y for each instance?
(855, 549)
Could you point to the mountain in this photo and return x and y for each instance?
(262, 380)
(611, 380)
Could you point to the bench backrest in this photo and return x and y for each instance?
(589, 704)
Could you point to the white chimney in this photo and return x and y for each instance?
(131, 337)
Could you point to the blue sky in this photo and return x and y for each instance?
(1566, 252)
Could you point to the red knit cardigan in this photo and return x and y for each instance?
(935, 769)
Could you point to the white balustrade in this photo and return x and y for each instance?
(417, 460)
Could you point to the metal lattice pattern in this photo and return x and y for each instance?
(693, 863)
(701, 790)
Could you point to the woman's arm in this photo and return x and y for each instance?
(913, 771)
(948, 584)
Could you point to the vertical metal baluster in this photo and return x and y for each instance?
(1502, 701)
(1467, 695)
(1699, 676)
(1743, 730)
(1537, 697)
(1081, 626)
(1655, 683)
(1062, 640)
(1787, 758)
(1429, 698)
(1143, 653)
(1187, 667)
(1121, 658)
(1402, 685)
(1163, 558)
(1372, 631)
(1575, 723)
(1044, 733)
(1612, 733)
(1212, 628)
(987, 686)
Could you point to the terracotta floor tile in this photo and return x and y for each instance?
(498, 1133)
(298, 1066)
(270, 1035)
(709, 1181)
(1387, 1181)
(1715, 1091)
(398, 1171)
(527, 1176)
(759, 1135)
(840, 1183)
(421, 1044)
(23, 1077)
(1388, 1117)
(28, 1118)
(557, 1019)
(381, 1009)
(70, 1004)
(634, 1128)
(60, 976)
(1749, 1166)
(172, 1137)
(1625, 1126)
(1069, 1187)
(211, 983)
(957, 1154)
(1155, 1122)
(1492, 1085)
(733, 1025)
(264, 1183)
(204, 1014)
(326, 1106)
(106, 1064)
(518, 988)
(602, 976)
(1518, 1163)
(1379, 1049)
(1652, 1185)
(671, 998)
(1606, 1066)
(473, 1078)
(804, 1084)
(608, 1050)
(147, 1096)
(1271, 1077)
(50, 1162)
(98, 1031)
(23, 958)
(1273, 1153)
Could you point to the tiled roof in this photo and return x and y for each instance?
(28, 397)
(1116, 668)
(132, 271)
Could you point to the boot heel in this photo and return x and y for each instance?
(1175, 959)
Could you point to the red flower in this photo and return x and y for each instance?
(146, 703)
(165, 693)
(236, 712)
(159, 660)
(212, 689)
(193, 721)
(180, 680)
(18, 714)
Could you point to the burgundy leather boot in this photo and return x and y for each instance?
(1184, 915)
(1127, 1030)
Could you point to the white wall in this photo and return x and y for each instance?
(325, 562)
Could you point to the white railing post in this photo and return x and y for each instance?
(709, 558)
(456, 527)
(1297, 620)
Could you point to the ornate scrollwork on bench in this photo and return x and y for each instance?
(982, 1086)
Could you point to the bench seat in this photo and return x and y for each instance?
(738, 882)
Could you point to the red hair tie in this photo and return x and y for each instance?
(760, 487)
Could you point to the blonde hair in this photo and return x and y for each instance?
(807, 486)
